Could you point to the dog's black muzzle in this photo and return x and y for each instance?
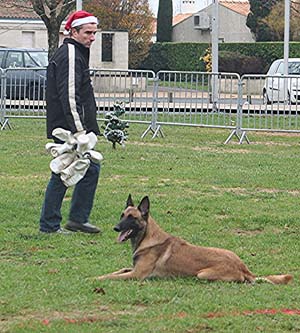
(117, 228)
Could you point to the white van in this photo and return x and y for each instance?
(280, 88)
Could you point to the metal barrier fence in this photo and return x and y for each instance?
(134, 88)
(218, 100)
(273, 103)
(196, 99)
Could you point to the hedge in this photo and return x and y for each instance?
(255, 57)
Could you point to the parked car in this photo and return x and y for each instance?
(280, 88)
(25, 72)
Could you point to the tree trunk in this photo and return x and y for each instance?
(53, 40)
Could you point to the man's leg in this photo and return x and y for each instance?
(51, 216)
(82, 201)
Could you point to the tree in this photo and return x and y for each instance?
(115, 128)
(164, 21)
(295, 12)
(131, 15)
(275, 20)
(258, 11)
(52, 12)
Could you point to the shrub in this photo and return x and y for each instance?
(175, 57)
(235, 62)
(245, 57)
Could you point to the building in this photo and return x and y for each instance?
(196, 26)
(192, 6)
(24, 28)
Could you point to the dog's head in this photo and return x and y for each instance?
(133, 220)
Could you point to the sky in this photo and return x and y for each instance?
(154, 5)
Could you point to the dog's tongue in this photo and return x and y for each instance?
(123, 236)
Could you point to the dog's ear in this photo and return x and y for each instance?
(144, 207)
(129, 201)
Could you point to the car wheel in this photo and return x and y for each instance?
(266, 98)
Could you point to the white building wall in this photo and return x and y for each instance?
(13, 34)
(228, 32)
(120, 51)
(185, 32)
(233, 32)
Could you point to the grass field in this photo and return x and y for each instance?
(241, 197)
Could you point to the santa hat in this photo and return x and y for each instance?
(78, 18)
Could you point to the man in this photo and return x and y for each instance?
(71, 105)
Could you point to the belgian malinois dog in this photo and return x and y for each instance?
(158, 254)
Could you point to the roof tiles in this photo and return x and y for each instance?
(9, 10)
(239, 6)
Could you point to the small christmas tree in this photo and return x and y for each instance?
(115, 128)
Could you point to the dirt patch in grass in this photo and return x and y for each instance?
(102, 313)
(244, 191)
(281, 134)
(115, 177)
(215, 150)
(272, 143)
(248, 232)
(149, 144)
(213, 315)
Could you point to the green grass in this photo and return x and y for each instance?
(241, 197)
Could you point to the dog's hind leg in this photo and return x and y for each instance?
(214, 274)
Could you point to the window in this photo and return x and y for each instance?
(28, 39)
(40, 57)
(294, 68)
(1, 57)
(28, 61)
(14, 59)
(107, 47)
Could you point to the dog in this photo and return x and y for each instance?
(158, 254)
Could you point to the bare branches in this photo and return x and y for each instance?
(131, 15)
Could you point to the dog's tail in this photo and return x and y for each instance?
(276, 279)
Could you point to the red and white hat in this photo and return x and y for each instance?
(78, 18)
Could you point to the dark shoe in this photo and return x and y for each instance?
(83, 227)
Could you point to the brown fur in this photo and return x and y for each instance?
(158, 254)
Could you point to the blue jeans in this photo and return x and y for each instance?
(81, 204)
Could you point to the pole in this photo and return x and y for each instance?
(78, 4)
(286, 34)
(215, 51)
(215, 36)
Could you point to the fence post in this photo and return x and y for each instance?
(238, 132)
(1, 99)
(3, 120)
(156, 130)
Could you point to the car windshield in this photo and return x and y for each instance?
(40, 57)
(294, 68)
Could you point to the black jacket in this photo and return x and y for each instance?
(69, 94)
